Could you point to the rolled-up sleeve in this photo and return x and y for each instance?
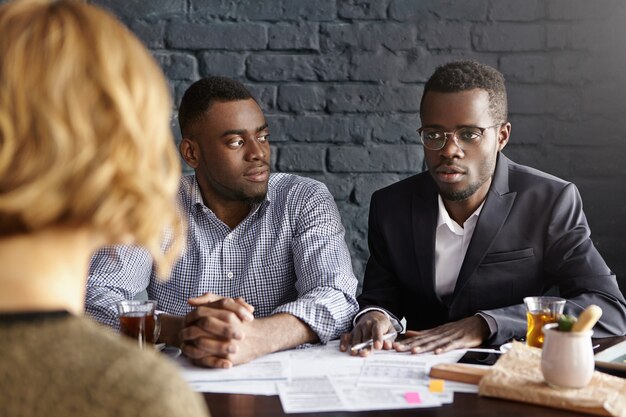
(325, 283)
(115, 273)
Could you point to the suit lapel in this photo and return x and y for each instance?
(493, 215)
(424, 220)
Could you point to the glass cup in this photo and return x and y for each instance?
(539, 312)
(139, 321)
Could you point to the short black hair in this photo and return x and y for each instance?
(202, 94)
(458, 76)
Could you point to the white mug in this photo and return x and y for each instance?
(567, 357)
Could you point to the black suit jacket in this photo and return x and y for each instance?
(531, 238)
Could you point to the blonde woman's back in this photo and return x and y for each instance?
(56, 364)
(86, 160)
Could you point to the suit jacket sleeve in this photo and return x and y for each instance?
(379, 286)
(573, 266)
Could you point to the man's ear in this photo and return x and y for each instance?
(503, 135)
(190, 152)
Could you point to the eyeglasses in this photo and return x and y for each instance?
(465, 137)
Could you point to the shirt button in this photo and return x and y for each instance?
(229, 275)
(230, 236)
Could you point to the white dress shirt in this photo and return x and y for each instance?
(451, 242)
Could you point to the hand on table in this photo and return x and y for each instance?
(371, 325)
(214, 334)
(463, 334)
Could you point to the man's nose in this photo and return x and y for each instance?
(255, 150)
(451, 148)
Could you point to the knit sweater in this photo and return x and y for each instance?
(55, 364)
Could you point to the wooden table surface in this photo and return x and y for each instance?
(464, 405)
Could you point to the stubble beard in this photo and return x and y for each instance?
(461, 195)
(486, 169)
(254, 198)
(258, 199)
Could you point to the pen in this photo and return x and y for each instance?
(368, 343)
(480, 350)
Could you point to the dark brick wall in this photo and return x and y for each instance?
(340, 82)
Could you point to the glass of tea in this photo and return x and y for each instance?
(540, 311)
(138, 321)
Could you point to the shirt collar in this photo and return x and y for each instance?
(196, 195)
(444, 218)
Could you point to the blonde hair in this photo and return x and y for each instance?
(84, 128)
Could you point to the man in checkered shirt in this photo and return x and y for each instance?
(266, 266)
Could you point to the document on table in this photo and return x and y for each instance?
(396, 370)
(323, 393)
(321, 378)
(257, 377)
(382, 381)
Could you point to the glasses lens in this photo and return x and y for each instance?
(466, 137)
(433, 139)
(469, 135)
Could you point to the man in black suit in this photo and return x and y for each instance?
(456, 249)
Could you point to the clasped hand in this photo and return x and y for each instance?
(462, 334)
(214, 334)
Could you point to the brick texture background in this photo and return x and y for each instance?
(340, 82)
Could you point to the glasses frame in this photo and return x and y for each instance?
(454, 136)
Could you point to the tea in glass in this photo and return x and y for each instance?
(138, 321)
(541, 311)
(138, 326)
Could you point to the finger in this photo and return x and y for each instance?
(435, 347)
(345, 342)
(412, 333)
(460, 341)
(387, 344)
(416, 343)
(191, 351)
(198, 348)
(206, 298)
(446, 347)
(402, 346)
(433, 343)
(240, 308)
(227, 327)
(365, 352)
(212, 362)
(222, 348)
(213, 326)
(217, 310)
(375, 326)
(199, 316)
(243, 302)
(378, 331)
(357, 336)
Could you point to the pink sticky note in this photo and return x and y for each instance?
(412, 397)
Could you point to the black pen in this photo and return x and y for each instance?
(370, 342)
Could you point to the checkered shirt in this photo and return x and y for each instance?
(287, 256)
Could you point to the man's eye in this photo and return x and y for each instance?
(263, 138)
(469, 134)
(236, 143)
(434, 135)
